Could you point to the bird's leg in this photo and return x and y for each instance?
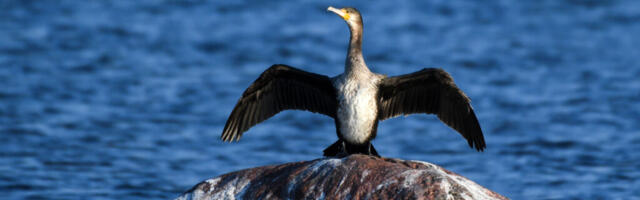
(337, 149)
(372, 151)
(344, 148)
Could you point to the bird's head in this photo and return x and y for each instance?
(350, 15)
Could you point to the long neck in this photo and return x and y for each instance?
(355, 60)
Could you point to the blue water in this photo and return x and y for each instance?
(127, 99)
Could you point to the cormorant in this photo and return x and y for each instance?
(356, 99)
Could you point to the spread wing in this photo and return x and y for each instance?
(431, 91)
(280, 88)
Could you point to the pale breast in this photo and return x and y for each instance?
(357, 110)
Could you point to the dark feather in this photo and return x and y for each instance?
(431, 91)
(280, 88)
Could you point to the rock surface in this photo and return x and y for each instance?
(352, 177)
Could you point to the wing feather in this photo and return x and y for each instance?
(431, 91)
(280, 88)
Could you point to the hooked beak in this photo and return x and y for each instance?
(340, 12)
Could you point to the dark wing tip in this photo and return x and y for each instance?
(227, 135)
(230, 136)
(479, 144)
(476, 137)
(463, 121)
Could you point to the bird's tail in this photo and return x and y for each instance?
(342, 149)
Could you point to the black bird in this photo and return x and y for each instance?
(356, 99)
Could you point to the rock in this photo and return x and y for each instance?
(352, 177)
